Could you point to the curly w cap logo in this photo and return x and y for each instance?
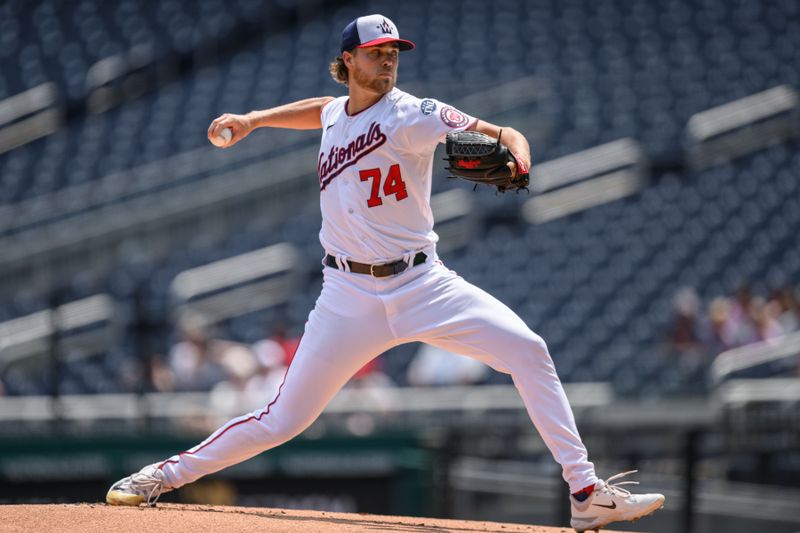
(385, 27)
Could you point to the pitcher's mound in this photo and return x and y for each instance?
(175, 518)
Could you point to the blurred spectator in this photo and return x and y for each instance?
(740, 304)
(716, 335)
(434, 366)
(740, 327)
(732, 322)
(765, 319)
(195, 361)
(378, 389)
(684, 336)
(281, 337)
(270, 358)
(161, 376)
(229, 396)
(788, 309)
(133, 374)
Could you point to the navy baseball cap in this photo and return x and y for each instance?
(372, 30)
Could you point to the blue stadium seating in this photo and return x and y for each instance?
(597, 285)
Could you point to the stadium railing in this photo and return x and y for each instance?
(784, 349)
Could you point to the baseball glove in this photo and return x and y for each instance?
(480, 159)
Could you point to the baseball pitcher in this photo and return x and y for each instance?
(383, 282)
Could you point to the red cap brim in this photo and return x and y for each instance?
(404, 45)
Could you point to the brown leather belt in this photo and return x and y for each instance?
(378, 271)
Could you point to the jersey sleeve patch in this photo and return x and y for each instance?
(427, 106)
(453, 117)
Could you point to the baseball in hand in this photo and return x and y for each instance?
(223, 138)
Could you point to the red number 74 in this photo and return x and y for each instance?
(394, 184)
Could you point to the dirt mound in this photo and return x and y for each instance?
(174, 518)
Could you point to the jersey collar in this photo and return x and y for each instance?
(388, 96)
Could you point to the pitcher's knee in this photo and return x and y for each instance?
(539, 346)
(531, 350)
(532, 345)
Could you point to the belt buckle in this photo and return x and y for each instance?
(372, 271)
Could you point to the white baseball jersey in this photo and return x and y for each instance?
(374, 172)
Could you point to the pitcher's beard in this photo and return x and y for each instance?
(376, 85)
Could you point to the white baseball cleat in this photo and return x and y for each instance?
(611, 503)
(144, 486)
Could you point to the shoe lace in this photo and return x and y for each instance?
(148, 484)
(615, 488)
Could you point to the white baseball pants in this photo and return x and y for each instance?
(358, 317)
